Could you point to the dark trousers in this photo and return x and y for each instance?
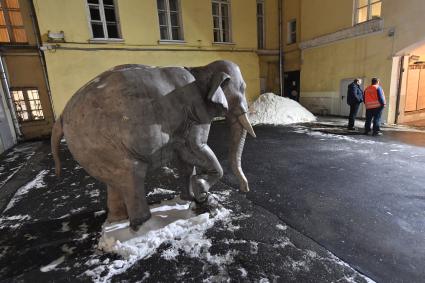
(354, 108)
(375, 115)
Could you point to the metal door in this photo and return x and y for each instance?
(415, 89)
(5, 130)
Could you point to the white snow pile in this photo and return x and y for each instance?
(270, 109)
(172, 223)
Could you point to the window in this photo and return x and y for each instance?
(221, 20)
(27, 104)
(103, 19)
(292, 31)
(260, 24)
(367, 10)
(169, 19)
(11, 23)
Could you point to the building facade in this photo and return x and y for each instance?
(363, 39)
(25, 96)
(50, 48)
(82, 38)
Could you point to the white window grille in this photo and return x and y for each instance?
(221, 20)
(170, 26)
(260, 24)
(367, 10)
(27, 104)
(104, 21)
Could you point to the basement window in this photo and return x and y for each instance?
(221, 20)
(260, 24)
(27, 104)
(170, 26)
(367, 10)
(104, 22)
(292, 31)
(11, 24)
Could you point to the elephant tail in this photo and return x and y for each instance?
(57, 134)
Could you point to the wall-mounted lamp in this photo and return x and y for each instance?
(56, 36)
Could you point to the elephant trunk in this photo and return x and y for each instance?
(237, 142)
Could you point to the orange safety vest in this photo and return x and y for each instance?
(371, 99)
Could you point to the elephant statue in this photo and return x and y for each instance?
(132, 118)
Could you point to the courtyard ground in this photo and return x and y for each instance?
(325, 206)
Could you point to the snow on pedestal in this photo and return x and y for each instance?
(270, 109)
(117, 234)
(173, 222)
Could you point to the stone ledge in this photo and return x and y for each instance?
(365, 28)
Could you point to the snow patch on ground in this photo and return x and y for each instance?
(53, 264)
(270, 109)
(13, 221)
(36, 183)
(186, 236)
(302, 130)
(159, 191)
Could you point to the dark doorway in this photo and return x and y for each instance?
(292, 85)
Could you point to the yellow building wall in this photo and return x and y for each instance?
(70, 69)
(325, 16)
(325, 67)
(269, 65)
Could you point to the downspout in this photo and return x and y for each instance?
(400, 81)
(279, 3)
(41, 54)
(9, 100)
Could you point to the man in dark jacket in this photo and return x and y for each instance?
(354, 98)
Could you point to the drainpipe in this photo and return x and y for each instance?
(41, 54)
(400, 81)
(279, 3)
(9, 100)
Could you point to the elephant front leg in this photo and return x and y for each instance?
(208, 169)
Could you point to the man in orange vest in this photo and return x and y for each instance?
(374, 100)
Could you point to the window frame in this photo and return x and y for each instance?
(10, 27)
(369, 5)
(261, 43)
(289, 38)
(168, 22)
(27, 104)
(220, 28)
(102, 20)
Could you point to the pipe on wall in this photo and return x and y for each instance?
(400, 82)
(280, 3)
(41, 54)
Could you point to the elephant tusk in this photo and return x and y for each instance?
(243, 119)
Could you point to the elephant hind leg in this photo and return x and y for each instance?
(117, 210)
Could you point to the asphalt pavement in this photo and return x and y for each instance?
(360, 197)
(325, 206)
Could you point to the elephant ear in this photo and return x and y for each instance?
(216, 93)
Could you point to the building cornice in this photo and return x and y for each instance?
(369, 27)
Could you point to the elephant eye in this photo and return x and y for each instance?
(242, 87)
